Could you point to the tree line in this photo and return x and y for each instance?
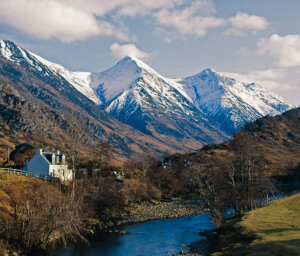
(57, 213)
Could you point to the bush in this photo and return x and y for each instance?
(137, 191)
(37, 215)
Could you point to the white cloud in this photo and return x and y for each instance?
(190, 20)
(71, 20)
(142, 7)
(269, 74)
(119, 51)
(243, 22)
(271, 79)
(285, 49)
(123, 7)
(54, 19)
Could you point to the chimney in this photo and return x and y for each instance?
(39, 151)
(63, 159)
(53, 158)
(57, 152)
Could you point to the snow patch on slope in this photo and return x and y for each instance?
(5, 51)
(132, 85)
(225, 98)
(80, 80)
(115, 80)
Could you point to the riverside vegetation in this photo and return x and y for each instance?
(263, 159)
(271, 230)
(36, 215)
(229, 175)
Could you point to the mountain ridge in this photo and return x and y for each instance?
(183, 113)
(42, 108)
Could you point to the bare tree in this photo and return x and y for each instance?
(246, 172)
(148, 162)
(211, 185)
(75, 147)
(102, 154)
(45, 218)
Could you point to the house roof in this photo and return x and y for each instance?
(58, 158)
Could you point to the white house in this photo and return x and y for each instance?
(52, 164)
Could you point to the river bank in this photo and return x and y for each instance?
(270, 230)
(133, 213)
(143, 213)
(150, 238)
(137, 213)
(146, 214)
(158, 210)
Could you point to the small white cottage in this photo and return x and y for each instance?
(52, 164)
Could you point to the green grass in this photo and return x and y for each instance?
(277, 228)
(268, 231)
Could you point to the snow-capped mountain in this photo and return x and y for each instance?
(185, 113)
(44, 107)
(120, 77)
(137, 95)
(226, 102)
(133, 93)
(230, 102)
(80, 80)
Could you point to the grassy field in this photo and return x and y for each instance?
(272, 230)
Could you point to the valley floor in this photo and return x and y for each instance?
(268, 231)
(18, 187)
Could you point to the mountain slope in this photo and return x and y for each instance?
(183, 113)
(43, 106)
(80, 80)
(276, 140)
(135, 94)
(229, 102)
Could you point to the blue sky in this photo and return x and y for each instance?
(254, 40)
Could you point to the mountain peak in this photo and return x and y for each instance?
(129, 58)
(209, 71)
(4, 43)
(13, 52)
(135, 62)
(6, 48)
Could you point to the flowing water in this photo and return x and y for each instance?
(155, 237)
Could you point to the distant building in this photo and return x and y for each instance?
(49, 164)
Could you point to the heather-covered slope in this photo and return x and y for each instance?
(275, 140)
(43, 108)
(179, 114)
(146, 101)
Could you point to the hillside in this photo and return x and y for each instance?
(45, 111)
(155, 113)
(275, 139)
(15, 190)
(137, 95)
(268, 231)
(35, 214)
(229, 102)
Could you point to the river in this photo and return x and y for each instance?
(155, 237)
